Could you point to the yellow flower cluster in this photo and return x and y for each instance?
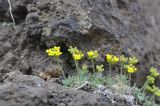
(99, 68)
(73, 49)
(123, 59)
(132, 60)
(151, 79)
(84, 67)
(129, 63)
(111, 59)
(77, 54)
(154, 72)
(55, 51)
(92, 54)
(150, 87)
(155, 90)
(131, 68)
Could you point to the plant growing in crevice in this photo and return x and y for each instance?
(131, 69)
(92, 55)
(129, 66)
(55, 52)
(77, 80)
(111, 59)
(122, 60)
(77, 55)
(150, 79)
(149, 85)
(132, 60)
(99, 69)
(119, 83)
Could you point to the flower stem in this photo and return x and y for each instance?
(121, 69)
(77, 67)
(152, 98)
(110, 70)
(130, 79)
(144, 86)
(94, 71)
(57, 59)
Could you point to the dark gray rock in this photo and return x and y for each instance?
(27, 90)
(4, 6)
(18, 77)
(103, 25)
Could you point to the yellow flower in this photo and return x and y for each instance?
(123, 59)
(92, 54)
(131, 69)
(57, 54)
(56, 48)
(73, 50)
(150, 79)
(154, 72)
(111, 59)
(84, 67)
(133, 60)
(156, 90)
(157, 93)
(99, 68)
(50, 52)
(78, 56)
(149, 88)
(55, 51)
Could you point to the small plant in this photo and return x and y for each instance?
(92, 55)
(55, 52)
(100, 69)
(84, 72)
(129, 65)
(131, 69)
(70, 81)
(77, 55)
(132, 60)
(123, 60)
(149, 85)
(140, 96)
(150, 79)
(77, 80)
(111, 59)
(96, 80)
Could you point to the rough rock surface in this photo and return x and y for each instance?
(26, 90)
(87, 24)
(3, 8)
(106, 25)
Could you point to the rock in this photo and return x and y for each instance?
(9, 61)
(13, 94)
(18, 77)
(25, 68)
(116, 97)
(4, 6)
(128, 25)
(20, 90)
